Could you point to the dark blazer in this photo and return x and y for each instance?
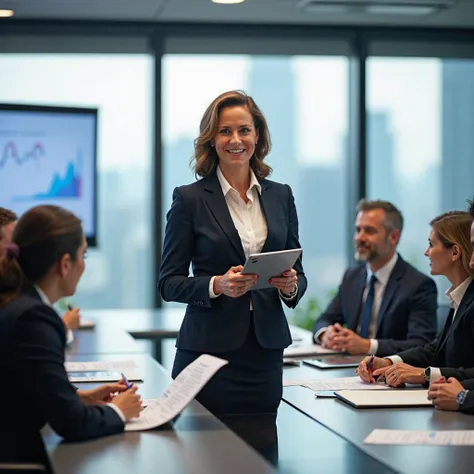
(468, 405)
(200, 231)
(35, 385)
(454, 347)
(407, 316)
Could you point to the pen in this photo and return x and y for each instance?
(127, 383)
(69, 307)
(370, 361)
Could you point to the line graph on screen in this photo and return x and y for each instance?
(63, 183)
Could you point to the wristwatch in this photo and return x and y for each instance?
(461, 396)
(426, 374)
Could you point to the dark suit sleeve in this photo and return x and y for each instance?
(421, 321)
(175, 284)
(468, 405)
(293, 242)
(420, 356)
(39, 357)
(333, 313)
(468, 384)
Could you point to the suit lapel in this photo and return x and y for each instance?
(355, 292)
(269, 212)
(390, 290)
(463, 307)
(216, 202)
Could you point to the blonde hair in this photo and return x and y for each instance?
(454, 228)
(205, 159)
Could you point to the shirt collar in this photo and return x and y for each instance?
(42, 295)
(456, 294)
(383, 274)
(226, 187)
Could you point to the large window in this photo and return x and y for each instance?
(304, 99)
(119, 271)
(421, 142)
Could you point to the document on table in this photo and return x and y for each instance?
(436, 438)
(103, 371)
(343, 383)
(392, 399)
(178, 395)
(307, 350)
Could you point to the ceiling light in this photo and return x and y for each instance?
(401, 9)
(228, 2)
(6, 13)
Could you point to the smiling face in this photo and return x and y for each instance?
(440, 256)
(236, 137)
(72, 270)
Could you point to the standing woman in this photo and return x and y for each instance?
(214, 224)
(43, 263)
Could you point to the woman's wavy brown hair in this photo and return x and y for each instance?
(205, 159)
(454, 228)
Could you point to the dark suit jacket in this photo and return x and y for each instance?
(35, 386)
(454, 347)
(200, 231)
(407, 316)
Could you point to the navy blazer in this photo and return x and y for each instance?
(407, 315)
(35, 386)
(200, 231)
(453, 351)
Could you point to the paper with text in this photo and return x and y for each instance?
(435, 438)
(343, 383)
(178, 395)
(128, 367)
(307, 350)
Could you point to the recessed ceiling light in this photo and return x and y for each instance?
(228, 2)
(6, 13)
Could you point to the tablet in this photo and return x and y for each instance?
(334, 362)
(270, 264)
(94, 376)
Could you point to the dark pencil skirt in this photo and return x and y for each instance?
(250, 383)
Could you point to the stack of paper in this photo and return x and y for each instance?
(343, 383)
(103, 371)
(307, 350)
(436, 438)
(391, 399)
(178, 395)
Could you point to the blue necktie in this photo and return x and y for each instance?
(366, 315)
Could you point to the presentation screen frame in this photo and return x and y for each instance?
(92, 239)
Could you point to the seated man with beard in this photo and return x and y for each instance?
(385, 304)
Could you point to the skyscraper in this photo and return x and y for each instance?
(457, 130)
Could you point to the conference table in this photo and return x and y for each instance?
(308, 435)
(198, 442)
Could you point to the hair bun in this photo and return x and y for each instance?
(12, 250)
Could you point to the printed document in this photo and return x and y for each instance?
(343, 383)
(103, 371)
(307, 350)
(436, 438)
(178, 395)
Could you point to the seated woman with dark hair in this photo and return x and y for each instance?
(44, 262)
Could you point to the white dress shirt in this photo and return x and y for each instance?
(46, 301)
(455, 296)
(383, 276)
(247, 217)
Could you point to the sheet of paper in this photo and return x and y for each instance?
(178, 395)
(437, 438)
(307, 350)
(128, 367)
(391, 398)
(86, 324)
(343, 383)
(293, 383)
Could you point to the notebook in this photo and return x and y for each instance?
(385, 398)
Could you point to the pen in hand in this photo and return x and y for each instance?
(127, 383)
(369, 364)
